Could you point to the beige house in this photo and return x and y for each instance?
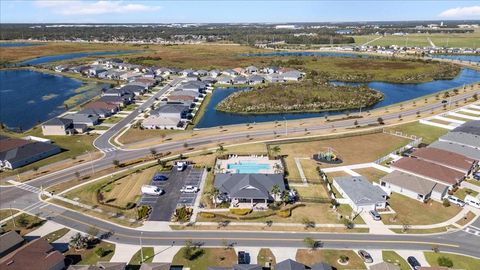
(57, 126)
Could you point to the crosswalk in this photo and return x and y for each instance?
(106, 150)
(25, 186)
(472, 230)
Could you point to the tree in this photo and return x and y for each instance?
(214, 193)
(310, 243)
(220, 150)
(275, 150)
(475, 96)
(23, 221)
(275, 191)
(446, 203)
(185, 145)
(78, 242)
(116, 163)
(380, 120)
(348, 223)
(399, 117)
(308, 223)
(343, 258)
(188, 250)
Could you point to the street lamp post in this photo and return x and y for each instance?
(286, 127)
(141, 247)
(91, 162)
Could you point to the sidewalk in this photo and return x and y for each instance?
(124, 252)
(376, 227)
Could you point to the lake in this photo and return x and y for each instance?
(68, 56)
(471, 58)
(18, 44)
(28, 97)
(393, 93)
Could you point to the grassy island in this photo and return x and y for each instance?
(306, 96)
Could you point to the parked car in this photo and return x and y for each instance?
(472, 201)
(181, 165)
(365, 256)
(456, 201)
(160, 177)
(413, 262)
(152, 190)
(477, 176)
(243, 257)
(189, 189)
(375, 215)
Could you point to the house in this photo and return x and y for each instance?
(447, 159)
(185, 72)
(172, 110)
(101, 113)
(155, 266)
(249, 189)
(270, 70)
(196, 86)
(134, 89)
(322, 266)
(201, 72)
(240, 80)
(62, 68)
(9, 242)
(112, 108)
(80, 69)
(230, 72)
(57, 126)
(384, 266)
(431, 171)
(214, 73)
(163, 71)
(163, 122)
(251, 70)
(180, 99)
(360, 194)
(293, 75)
(15, 153)
(462, 138)
(191, 77)
(413, 186)
(37, 254)
(84, 117)
(255, 79)
(223, 79)
(145, 82)
(464, 150)
(149, 75)
(117, 100)
(290, 265)
(185, 93)
(239, 70)
(275, 78)
(238, 267)
(128, 76)
(95, 70)
(100, 266)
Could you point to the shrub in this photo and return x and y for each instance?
(240, 211)
(344, 258)
(182, 214)
(100, 252)
(445, 261)
(207, 215)
(284, 213)
(143, 211)
(130, 205)
(446, 203)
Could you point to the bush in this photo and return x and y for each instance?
(446, 203)
(143, 211)
(284, 213)
(240, 211)
(182, 214)
(130, 205)
(100, 252)
(444, 261)
(207, 215)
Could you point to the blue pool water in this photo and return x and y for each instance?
(248, 167)
(68, 56)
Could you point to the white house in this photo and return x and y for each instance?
(360, 194)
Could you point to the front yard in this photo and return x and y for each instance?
(428, 133)
(89, 256)
(330, 256)
(23, 223)
(459, 261)
(219, 257)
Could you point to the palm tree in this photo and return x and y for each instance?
(214, 193)
(275, 150)
(78, 242)
(275, 191)
(220, 150)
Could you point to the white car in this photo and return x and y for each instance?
(152, 190)
(456, 201)
(189, 189)
(472, 201)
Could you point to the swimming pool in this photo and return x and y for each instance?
(249, 167)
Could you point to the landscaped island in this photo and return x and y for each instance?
(306, 96)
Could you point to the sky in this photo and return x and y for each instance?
(97, 11)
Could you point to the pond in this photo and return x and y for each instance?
(28, 97)
(470, 58)
(18, 44)
(68, 56)
(317, 54)
(393, 93)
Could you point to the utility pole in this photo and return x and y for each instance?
(286, 126)
(141, 247)
(11, 214)
(91, 162)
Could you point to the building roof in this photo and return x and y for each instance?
(101, 105)
(360, 190)
(9, 240)
(428, 170)
(322, 266)
(57, 121)
(155, 266)
(11, 143)
(101, 266)
(26, 151)
(290, 265)
(471, 127)
(462, 138)
(181, 98)
(384, 266)
(161, 121)
(257, 78)
(94, 111)
(457, 148)
(446, 158)
(248, 185)
(411, 182)
(82, 118)
(37, 254)
(170, 108)
(184, 93)
(131, 88)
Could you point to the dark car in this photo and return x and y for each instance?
(444, 101)
(413, 262)
(160, 177)
(243, 257)
(365, 256)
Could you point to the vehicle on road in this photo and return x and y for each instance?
(472, 201)
(160, 177)
(189, 189)
(366, 257)
(413, 263)
(243, 257)
(152, 190)
(444, 101)
(375, 215)
(456, 201)
(181, 165)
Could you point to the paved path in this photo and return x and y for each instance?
(431, 42)
(45, 229)
(370, 41)
(165, 253)
(376, 227)
(300, 170)
(252, 252)
(124, 252)
(419, 255)
(284, 253)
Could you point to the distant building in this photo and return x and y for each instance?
(37, 254)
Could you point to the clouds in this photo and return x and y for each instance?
(76, 7)
(461, 12)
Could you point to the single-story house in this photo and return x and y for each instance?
(274, 78)
(155, 266)
(132, 88)
(10, 241)
(37, 254)
(240, 80)
(429, 170)
(293, 75)
(184, 93)
(237, 267)
(163, 122)
(239, 70)
(113, 108)
(80, 69)
(230, 72)
(101, 266)
(201, 72)
(448, 159)
(290, 265)
(120, 101)
(62, 68)
(224, 79)
(462, 138)
(19, 154)
(415, 187)
(149, 75)
(248, 189)
(196, 86)
(271, 70)
(256, 79)
(457, 148)
(57, 126)
(185, 72)
(360, 194)
(180, 99)
(128, 76)
(251, 70)
(384, 266)
(95, 70)
(145, 82)
(214, 73)
(101, 113)
(470, 127)
(86, 118)
(163, 71)
(172, 110)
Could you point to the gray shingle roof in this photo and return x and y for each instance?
(27, 151)
(290, 265)
(471, 127)
(359, 190)
(170, 108)
(9, 240)
(58, 122)
(457, 148)
(249, 186)
(411, 182)
(321, 266)
(462, 138)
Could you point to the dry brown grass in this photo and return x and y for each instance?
(372, 174)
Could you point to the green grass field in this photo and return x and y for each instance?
(428, 133)
(393, 258)
(459, 261)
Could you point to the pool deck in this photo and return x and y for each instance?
(223, 165)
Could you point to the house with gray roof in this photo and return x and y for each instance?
(251, 70)
(293, 75)
(224, 79)
(101, 113)
(470, 127)
(25, 154)
(322, 266)
(100, 266)
(230, 72)
(359, 193)
(196, 86)
(57, 126)
(255, 79)
(467, 151)
(415, 187)
(85, 117)
(155, 266)
(462, 138)
(240, 80)
(238, 267)
(290, 265)
(248, 189)
(10, 241)
(172, 110)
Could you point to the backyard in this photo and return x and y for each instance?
(372, 174)
(330, 256)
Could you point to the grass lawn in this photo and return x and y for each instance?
(426, 213)
(459, 261)
(265, 255)
(54, 236)
(393, 258)
(128, 189)
(309, 167)
(112, 120)
(148, 254)
(462, 192)
(372, 174)
(5, 213)
(133, 135)
(201, 110)
(352, 150)
(312, 191)
(466, 219)
(219, 257)
(23, 223)
(330, 256)
(88, 256)
(439, 39)
(420, 231)
(474, 182)
(428, 133)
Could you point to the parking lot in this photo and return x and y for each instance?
(163, 206)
